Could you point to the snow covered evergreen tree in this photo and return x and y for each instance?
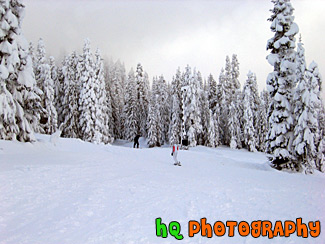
(155, 125)
(250, 109)
(108, 67)
(235, 72)
(213, 131)
(215, 100)
(300, 63)
(8, 127)
(60, 92)
(153, 137)
(228, 89)
(144, 104)
(116, 79)
(320, 163)
(238, 96)
(104, 121)
(17, 79)
(222, 107)
(70, 105)
(262, 125)
(231, 107)
(280, 84)
(88, 99)
(44, 73)
(307, 131)
(56, 82)
(40, 70)
(33, 108)
(316, 83)
(175, 127)
(40, 60)
(160, 92)
(130, 109)
(204, 111)
(142, 87)
(212, 92)
(229, 99)
(265, 96)
(300, 78)
(31, 52)
(175, 123)
(234, 128)
(51, 123)
(191, 111)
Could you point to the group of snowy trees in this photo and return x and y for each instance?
(207, 113)
(72, 96)
(296, 113)
(98, 102)
(90, 100)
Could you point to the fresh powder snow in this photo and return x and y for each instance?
(77, 192)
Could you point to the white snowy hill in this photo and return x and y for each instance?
(80, 193)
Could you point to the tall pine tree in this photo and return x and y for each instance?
(191, 111)
(17, 79)
(70, 102)
(116, 80)
(280, 84)
(142, 88)
(51, 123)
(88, 99)
(155, 125)
(307, 130)
(175, 127)
(104, 121)
(222, 107)
(130, 109)
(262, 125)
(250, 109)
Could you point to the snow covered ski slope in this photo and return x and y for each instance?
(80, 193)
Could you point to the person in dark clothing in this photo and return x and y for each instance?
(185, 143)
(136, 141)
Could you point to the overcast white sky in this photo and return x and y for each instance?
(163, 35)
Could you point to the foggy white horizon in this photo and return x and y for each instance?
(165, 35)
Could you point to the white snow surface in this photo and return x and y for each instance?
(77, 192)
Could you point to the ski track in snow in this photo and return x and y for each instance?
(77, 192)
